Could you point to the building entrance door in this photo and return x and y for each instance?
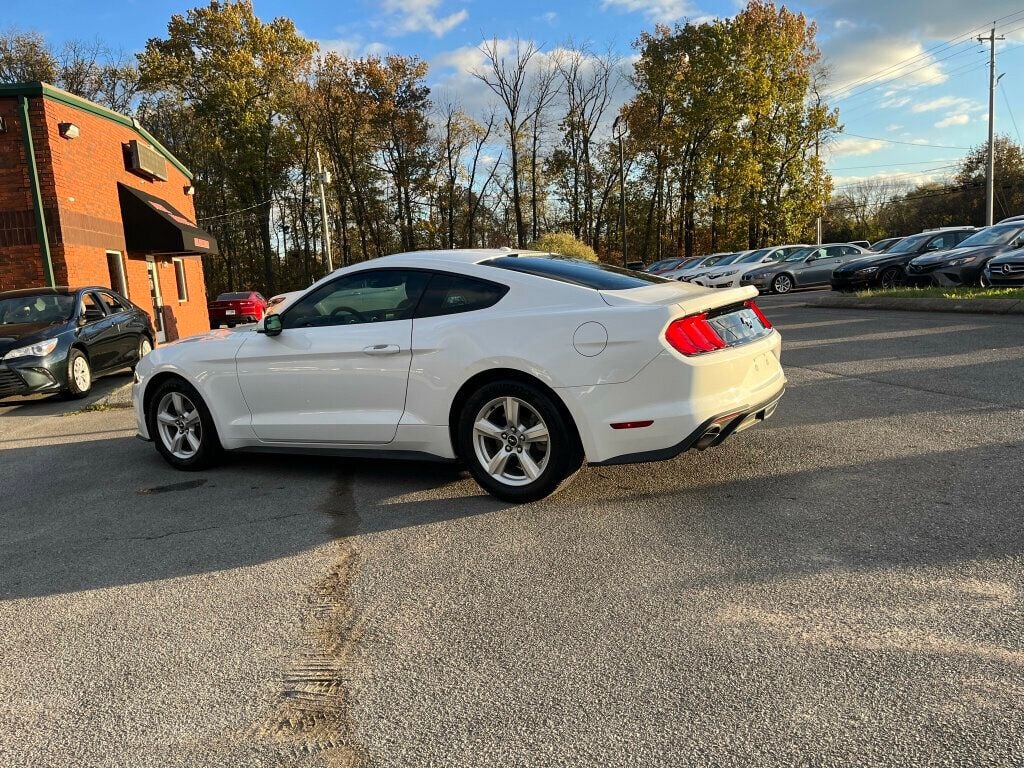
(158, 302)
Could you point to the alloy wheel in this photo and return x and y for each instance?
(889, 278)
(783, 284)
(145, 347)
(511, 441)
(179, 425)
(81, 374)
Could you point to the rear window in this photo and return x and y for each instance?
(450, 294)
(589, 274)
(233, 297)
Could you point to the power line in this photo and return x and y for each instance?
(899, 176)
(879, 165)
(232, 213)
(894, 68)
(906, 143)
(1009, 111)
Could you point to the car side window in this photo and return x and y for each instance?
(940, 243)
(818, 253)
(835, 251)
(113, 303)
(450, 294)
(370, 296)
(92, 309)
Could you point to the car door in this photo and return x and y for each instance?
(125, 341)
(97, 331)
(804, 272)
(338, 371)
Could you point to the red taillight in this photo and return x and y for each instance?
(757, 311)
(693, 335)
(632, 424)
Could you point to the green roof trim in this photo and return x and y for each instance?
(56, 94)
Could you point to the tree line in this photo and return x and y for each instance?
(722, 127)
(886, 207)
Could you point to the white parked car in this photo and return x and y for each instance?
(730, 275)
(693, 266)
(523, 365)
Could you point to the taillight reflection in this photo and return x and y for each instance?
(693, 335)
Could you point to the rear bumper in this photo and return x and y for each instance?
(677, 397)
(714, 431)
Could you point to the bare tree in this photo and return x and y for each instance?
(507, 77)
(543, 91)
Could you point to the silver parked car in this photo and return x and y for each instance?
(806, 268)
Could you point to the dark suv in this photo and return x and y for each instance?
(889, 269)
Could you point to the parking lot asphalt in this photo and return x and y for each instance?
(842, 585)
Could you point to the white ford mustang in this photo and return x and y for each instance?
(521, 364)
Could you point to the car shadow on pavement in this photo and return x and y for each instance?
(55, 405)
(105, 512)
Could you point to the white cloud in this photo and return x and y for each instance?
(662, 11)
(421, 15)
(353, 47)
(548, 18)
(893, 127)
(895, 103)
(854, 146)
(943, 102)
(858, 61)
(960, 119)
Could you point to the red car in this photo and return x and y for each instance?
(233, 308)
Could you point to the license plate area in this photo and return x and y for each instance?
(738, 326)
(229, 311)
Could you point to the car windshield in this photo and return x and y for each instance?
(689, 263)
(233, 297)
(729, 259)
(44, 308)
(756, 256)
(799, 255)
(997, 235)
(909, 244)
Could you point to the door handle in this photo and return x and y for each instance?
(382, 349)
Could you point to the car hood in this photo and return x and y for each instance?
(878, 259)
(955, 253)
(23, 334)
(1015, 255)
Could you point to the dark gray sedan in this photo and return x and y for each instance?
(809, 267)
(59, 339)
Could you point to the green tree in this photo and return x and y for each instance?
(237, 73)
(564, 244)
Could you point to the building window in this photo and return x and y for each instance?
(179, 274)
(115, 266)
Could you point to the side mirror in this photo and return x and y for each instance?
(270, 325)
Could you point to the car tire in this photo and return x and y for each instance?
(889, 278)
(782, 284)
(144, 348)
(983, 279)
(506, 457)
(182, 428)
(78, 382)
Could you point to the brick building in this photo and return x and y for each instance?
(88, 197)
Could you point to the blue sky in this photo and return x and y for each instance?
(901, 70)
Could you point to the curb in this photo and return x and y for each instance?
(970, 306)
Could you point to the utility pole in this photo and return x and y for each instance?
(990, 178)
(324, 177)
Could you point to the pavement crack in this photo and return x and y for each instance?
(312, 717)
